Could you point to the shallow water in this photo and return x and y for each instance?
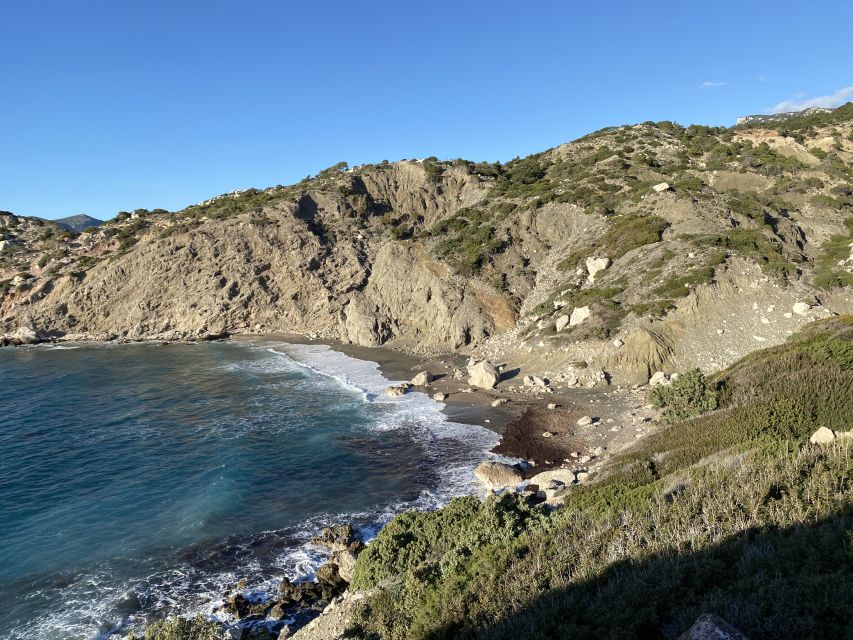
(139, 480)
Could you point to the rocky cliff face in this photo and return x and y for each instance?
(631, 250)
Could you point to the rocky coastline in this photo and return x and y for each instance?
(557, 435)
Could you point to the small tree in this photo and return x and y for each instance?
(689, 395)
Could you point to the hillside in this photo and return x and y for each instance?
(633, 249)
(78, 223)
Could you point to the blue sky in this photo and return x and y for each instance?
(109, 106)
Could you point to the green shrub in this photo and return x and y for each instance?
(687, 396)
(196, 628)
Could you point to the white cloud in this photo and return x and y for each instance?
(711, 85)
(838, 98)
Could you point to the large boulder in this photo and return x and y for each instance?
(24, 335)
(483, 374)
(337, 538)
(497, 475)
(711, 627)
(822, 436)
(595, 265)
(422, 379)
(802, 308)
(579, 316)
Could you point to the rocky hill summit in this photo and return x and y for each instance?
(631, 250)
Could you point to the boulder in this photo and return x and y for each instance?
(439, 397)
(579, 316)
(585, 421)
(595, 265)
(497, 475)
(534, 381)
(422, 379)
(658, 378)
(337, 538)
(24, 335)
(553, 477)
(801, 308)
(561, 323)
(396, 390)
(711, 627)
(660, 187)
(346, 563)
(483, 374)
(822, 436)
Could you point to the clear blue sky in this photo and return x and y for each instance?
(109, 106)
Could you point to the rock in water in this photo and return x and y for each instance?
(482, 374)
(422, 379)
(398, 389)
(497, 475)
(711, 627)
(336, 538)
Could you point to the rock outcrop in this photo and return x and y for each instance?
(497, 475)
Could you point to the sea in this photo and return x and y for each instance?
(141, 480)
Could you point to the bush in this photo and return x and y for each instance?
(687, 396)
(196, 628)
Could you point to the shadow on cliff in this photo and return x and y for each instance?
(787, 583)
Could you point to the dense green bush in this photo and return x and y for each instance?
(687, 396)
(732, 512)
(196, 628)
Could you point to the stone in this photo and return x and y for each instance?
(561, 323)
(25, 335)
(552, 405)
(658, 378)
(579, 316)
(585, 421)
(497, 475)
(547, 434)
(396, 390)
(482, 374)
(661, 187)
(422, 379)
(618, 343)
(598, 452)
(336, 538)
(549, 478)
(581, 476)
(346, 563)
(711, 627)
(822, 436)
(499, 401)
(534, 381)
(596, 265)
(439, 397)
(801, 308)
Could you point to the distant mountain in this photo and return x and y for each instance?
(78, 223)
(779, 117)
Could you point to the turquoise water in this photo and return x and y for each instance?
(139, 480)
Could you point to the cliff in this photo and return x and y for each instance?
(634, 249)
